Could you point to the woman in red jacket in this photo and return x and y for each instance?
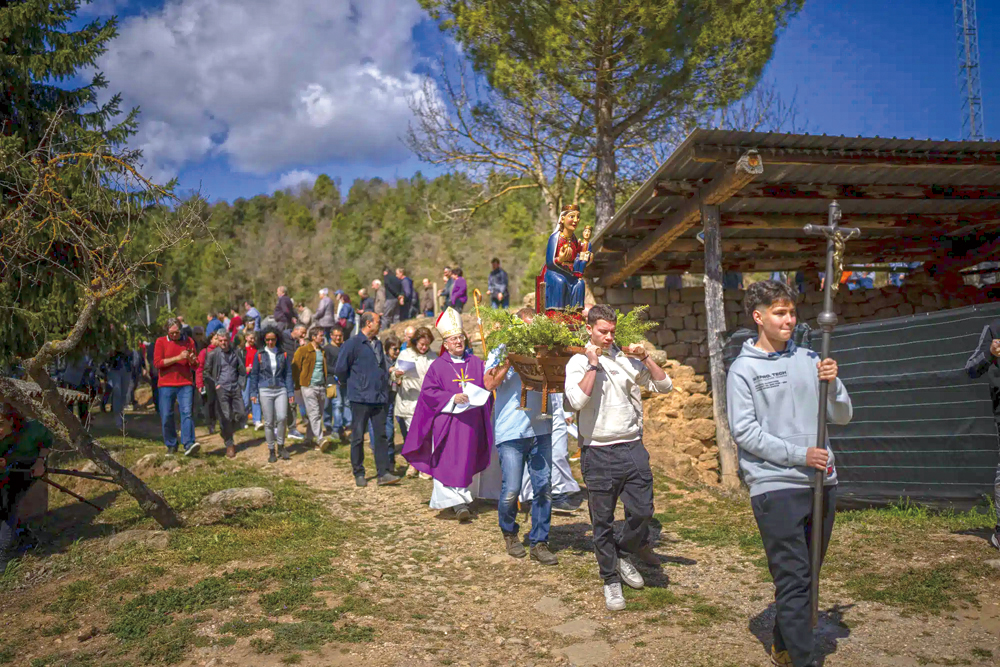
(251, 351)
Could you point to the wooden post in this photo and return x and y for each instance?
(716, 320)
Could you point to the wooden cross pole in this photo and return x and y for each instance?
(835, 236)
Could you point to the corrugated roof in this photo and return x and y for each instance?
(868, 176)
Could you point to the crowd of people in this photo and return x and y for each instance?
(466, 424)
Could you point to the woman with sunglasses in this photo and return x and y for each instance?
(271, 387)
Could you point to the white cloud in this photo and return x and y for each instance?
(268, 84)
(295, 179)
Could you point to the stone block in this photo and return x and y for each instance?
(675, 323)
(699, 307)
(644, 296)
(886, 313)
(929, 301)
(677, 350)
(675, 296)
(698, 406)
(701, 429)
(814, 297)
(691, 322)
(679, 309)
(905, 309)
(598, 291)
(867, 310)
(692, 294)
(703, 322)
(665, 337)
(656, 313)
(699, 364)
(894, 299)
(691, 336)
(852, 311)
(733, 306)
(617, 296)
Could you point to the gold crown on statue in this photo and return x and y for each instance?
(449, 323)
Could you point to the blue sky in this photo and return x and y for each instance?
(242, 96)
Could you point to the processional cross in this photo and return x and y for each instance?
(836, 238)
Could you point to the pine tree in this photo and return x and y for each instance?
(38, 55)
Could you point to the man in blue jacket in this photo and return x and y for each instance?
(363, 366)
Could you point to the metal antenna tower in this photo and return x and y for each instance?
(968, 70)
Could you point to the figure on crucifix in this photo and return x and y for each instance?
(566, 258)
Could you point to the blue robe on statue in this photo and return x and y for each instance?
(563, 288)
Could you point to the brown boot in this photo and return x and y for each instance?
(231, 451)
(540, 552)
(514, 546)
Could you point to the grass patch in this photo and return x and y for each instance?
(310, 636)
(288, 598)
(650, 599)
(982, 653)
(72, 597)
(928, 590)
(241, 628)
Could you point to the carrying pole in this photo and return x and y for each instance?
(827, 320)
(477, 296)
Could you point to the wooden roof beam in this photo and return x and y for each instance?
(901, 222)
(810, 156)
(727, 181)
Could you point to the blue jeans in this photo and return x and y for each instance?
(337, 413)
(500, 304)
(536, 453)
(184, 397)
(254, 407)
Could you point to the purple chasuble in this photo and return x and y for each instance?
(461, 442)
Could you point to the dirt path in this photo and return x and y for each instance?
(452, 596)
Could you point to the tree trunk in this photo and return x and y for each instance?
(59, 419)
(604, 149)
(716, 325)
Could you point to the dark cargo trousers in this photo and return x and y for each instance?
(784, 518)
(612, 472)
(231, 411)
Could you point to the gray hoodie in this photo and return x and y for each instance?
(773, 402)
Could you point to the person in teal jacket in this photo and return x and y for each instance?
(24, 444)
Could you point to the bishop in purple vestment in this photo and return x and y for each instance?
(451, 439)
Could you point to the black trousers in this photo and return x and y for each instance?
(232, 413)
(612, 472)
(209, 406)
(363, 414)
(784, 518)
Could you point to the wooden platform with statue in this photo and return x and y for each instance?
(540, 344)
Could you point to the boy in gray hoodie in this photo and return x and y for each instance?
(772, 393)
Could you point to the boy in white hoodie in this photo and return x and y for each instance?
(772, 396)
(604, 386)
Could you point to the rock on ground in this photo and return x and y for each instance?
(152, 539)
(253, 497)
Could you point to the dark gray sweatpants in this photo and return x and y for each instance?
(612, 472)
(784, 518)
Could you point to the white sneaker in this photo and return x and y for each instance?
(295, 435)
(259, 426)
(995, 540)
(629, 574)
(192, 449)
(613, 598)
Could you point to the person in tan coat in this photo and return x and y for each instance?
(309, 374)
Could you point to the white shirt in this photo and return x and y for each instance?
(612, 413)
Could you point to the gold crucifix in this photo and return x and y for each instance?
(462, 378)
